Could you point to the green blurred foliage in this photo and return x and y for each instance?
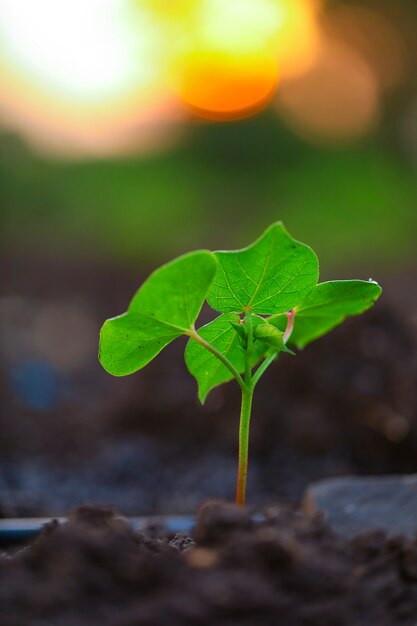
(219, 187)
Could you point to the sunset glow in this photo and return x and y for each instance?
(219, 86)
(83, 51)
(231, 55)
(108, 76)
(83, 77)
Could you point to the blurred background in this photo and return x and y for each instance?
(132, 131)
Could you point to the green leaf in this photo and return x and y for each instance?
(271, 276)
(165, 307)
(205, 367)
(327, 306)
(130, 341)
(269, 334)
(175, 292)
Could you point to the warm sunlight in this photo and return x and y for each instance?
(216, 85)
(231, 55)
(112, 76)
(81, 51)
(83, 77)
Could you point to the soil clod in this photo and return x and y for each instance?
(285, 569)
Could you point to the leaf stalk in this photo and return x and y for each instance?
(194, 335)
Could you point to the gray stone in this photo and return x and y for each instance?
(352, 505)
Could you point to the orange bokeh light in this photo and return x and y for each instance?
(227, 57)
(117, 84)
(223, 87)
(297, 40)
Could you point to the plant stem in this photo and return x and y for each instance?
(247, 397)
(194, 335)
(249, 348)
(247, 386)
(245, 413)
(263, 367)
(267, 362)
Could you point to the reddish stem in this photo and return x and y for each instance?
(290, 325)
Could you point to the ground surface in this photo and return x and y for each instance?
(285, 569)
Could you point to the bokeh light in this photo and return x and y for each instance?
(297, 40)
(220, 86)
(375, 36)
(84, 51)
(337, 99)
(231, 55)
(122, 76)
(115, 75)
(83, 77)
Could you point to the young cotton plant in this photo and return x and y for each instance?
(268, 298)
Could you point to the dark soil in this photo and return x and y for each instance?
(284, 569)
(70, 433)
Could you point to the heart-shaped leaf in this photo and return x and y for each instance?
(271, 276)
(327, 306)
(165, 307)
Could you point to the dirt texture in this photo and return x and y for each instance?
(283, 568)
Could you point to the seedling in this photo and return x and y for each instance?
(268, 299)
